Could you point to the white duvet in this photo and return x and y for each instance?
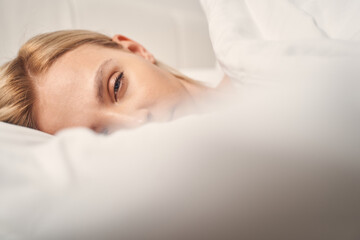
(281, 162)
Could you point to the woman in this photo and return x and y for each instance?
(81, 78)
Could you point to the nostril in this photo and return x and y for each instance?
(143, 116)
(172, 113)
(149, 117)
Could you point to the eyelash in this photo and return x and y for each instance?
(118, 84)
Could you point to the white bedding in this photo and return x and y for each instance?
(257, 41)
(280, 162)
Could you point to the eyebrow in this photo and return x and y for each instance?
(99, 80)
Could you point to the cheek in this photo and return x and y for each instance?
(152, 83)
(157, 90)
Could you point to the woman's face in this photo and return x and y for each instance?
(106, 89)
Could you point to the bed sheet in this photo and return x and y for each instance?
(255, 160)
(156, 181)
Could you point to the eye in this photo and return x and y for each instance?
(118, 85)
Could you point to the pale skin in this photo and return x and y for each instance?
(107, 89)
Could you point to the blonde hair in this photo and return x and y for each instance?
(17, 94)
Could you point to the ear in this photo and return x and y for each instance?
(133, 47)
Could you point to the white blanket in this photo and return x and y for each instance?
(292, 57)
(256, 39)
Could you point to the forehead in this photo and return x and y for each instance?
(65, 93)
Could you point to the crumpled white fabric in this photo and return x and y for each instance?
(337, 19)
(259, 39)
(283, 46)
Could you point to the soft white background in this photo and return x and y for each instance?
(175, 31)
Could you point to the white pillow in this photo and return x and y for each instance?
(257, 42)
(11, 134)
(339, 19)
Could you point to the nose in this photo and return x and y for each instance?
(138, 118)
(143, 116)
(128, 121)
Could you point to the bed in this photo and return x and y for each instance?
(280, 162)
